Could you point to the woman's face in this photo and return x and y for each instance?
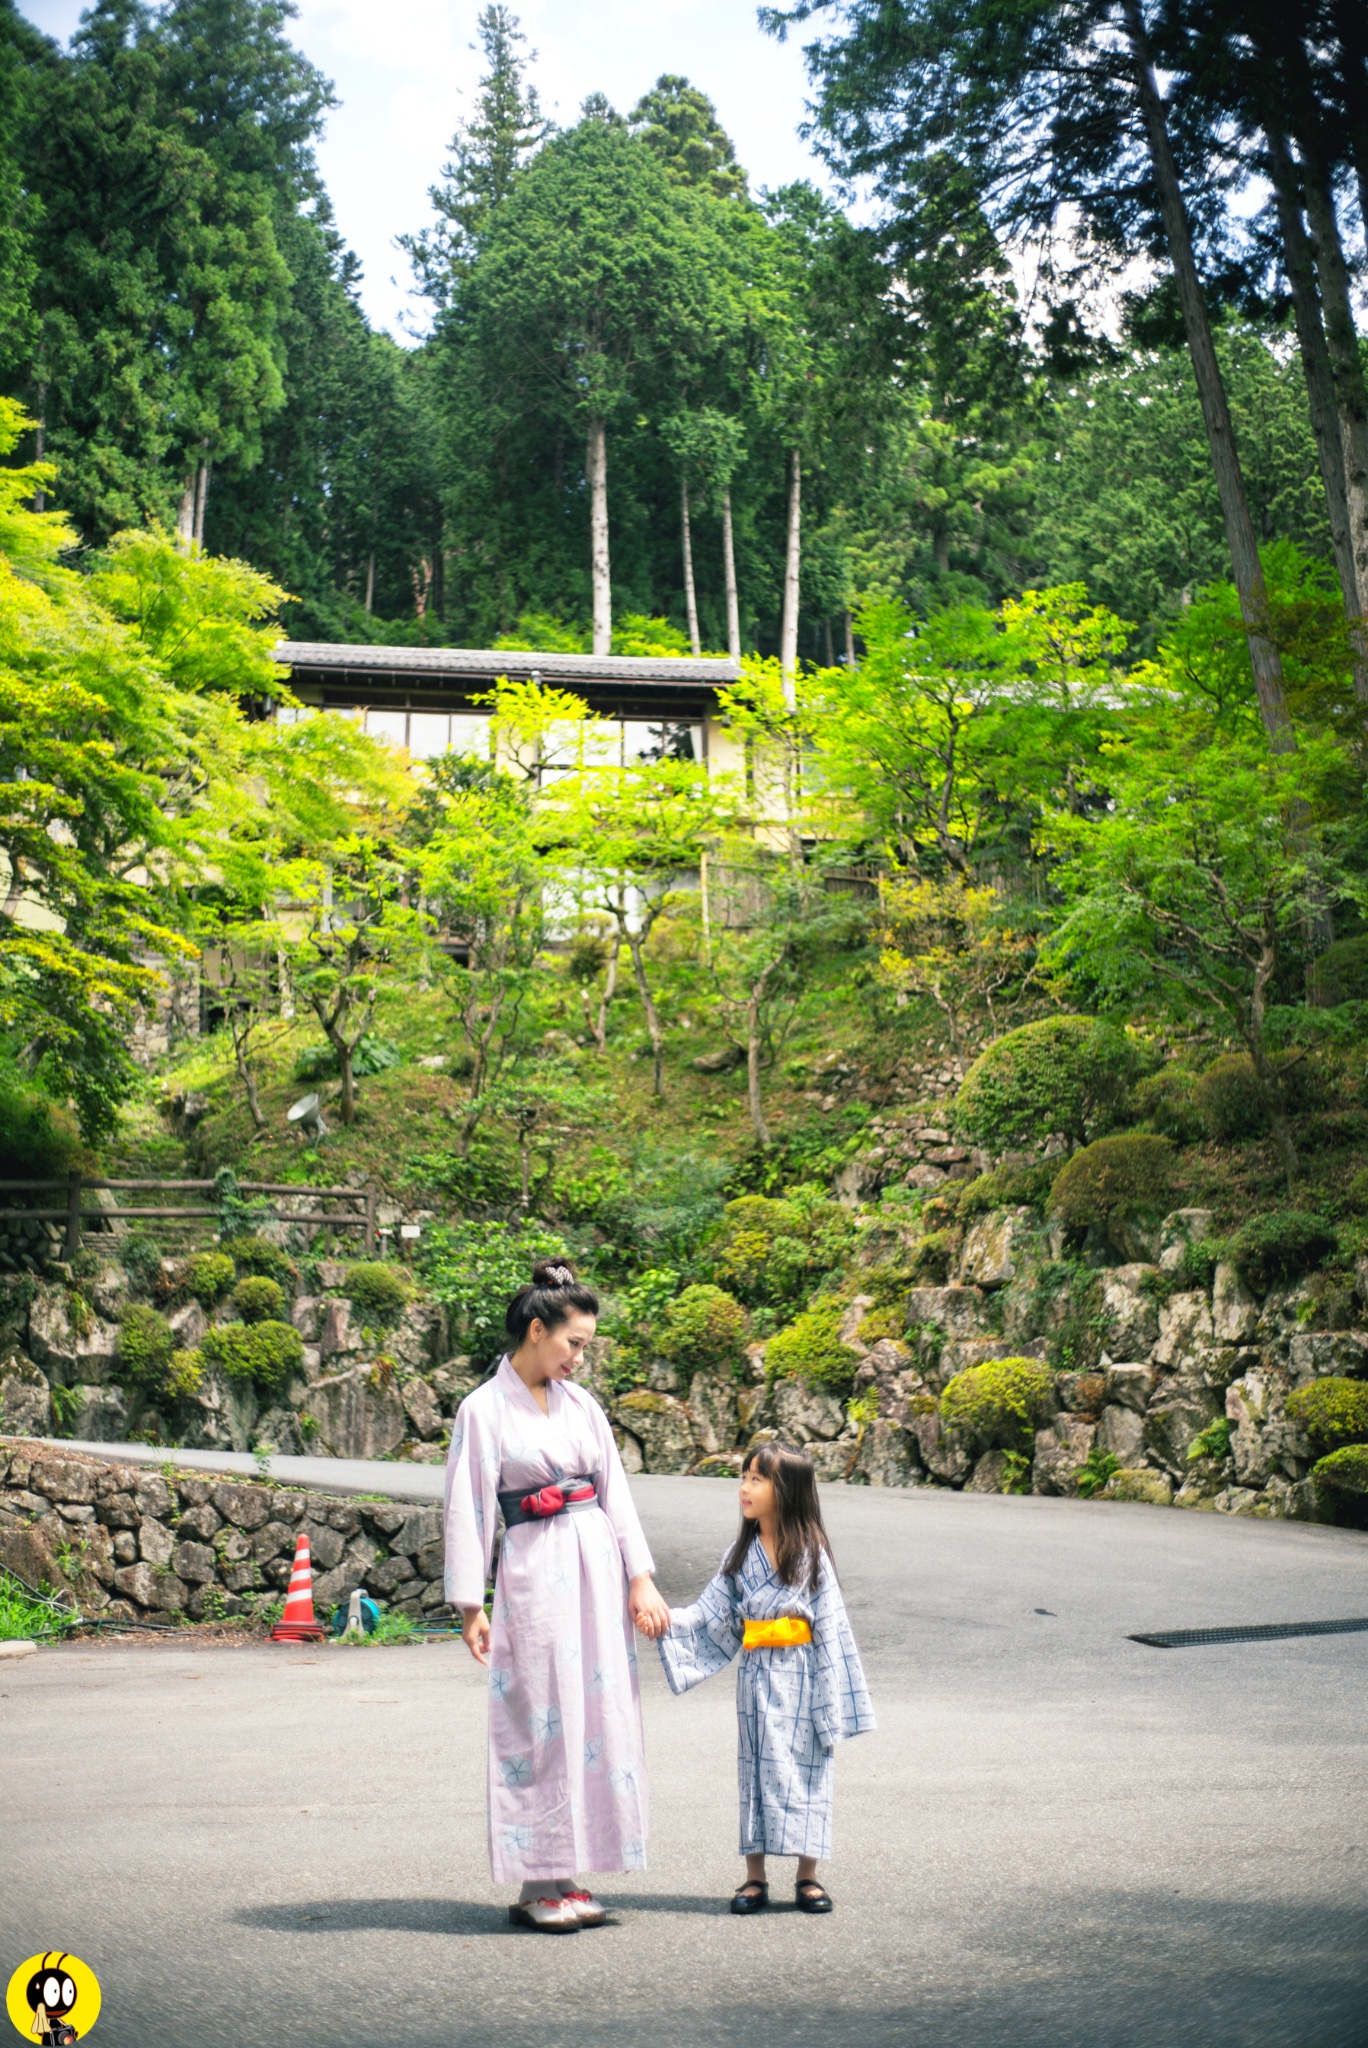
(757, 1495)
(558, 1354)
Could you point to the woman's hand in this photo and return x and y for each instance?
(475, 1632)
(649, 1613)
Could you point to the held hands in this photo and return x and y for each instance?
(475, 1633)
(649, 1613)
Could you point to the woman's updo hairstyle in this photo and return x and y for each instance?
(551, 1297)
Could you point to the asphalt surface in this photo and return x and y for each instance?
(330, 1475)
(1056, 1837)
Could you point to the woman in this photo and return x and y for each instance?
(567, 1779)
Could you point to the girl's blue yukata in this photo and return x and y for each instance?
(793, 1704)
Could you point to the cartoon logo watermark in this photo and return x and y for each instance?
(53, 1999)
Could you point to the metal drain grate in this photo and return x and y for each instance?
(1267, 1632)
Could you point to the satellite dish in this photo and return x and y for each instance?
(308, 1116)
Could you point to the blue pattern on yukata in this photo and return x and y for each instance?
(793, 1705)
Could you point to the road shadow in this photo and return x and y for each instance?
(438, 1916)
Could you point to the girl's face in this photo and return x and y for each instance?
(757, 1496)
(558, 1354)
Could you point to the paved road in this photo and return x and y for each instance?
(329, 1475)
(1057, 1837)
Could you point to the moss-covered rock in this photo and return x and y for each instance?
(1140, 1483)
(1344, 1471)
(660, 1424)
(1333, 1412)
(996, 1405)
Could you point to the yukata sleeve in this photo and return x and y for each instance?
(615, 1497)
(702, 1639)
(841, 1703)
(470, 1516)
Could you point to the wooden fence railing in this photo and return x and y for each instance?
(75, 1215)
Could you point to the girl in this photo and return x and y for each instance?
(567, 1779)
(799, 1688)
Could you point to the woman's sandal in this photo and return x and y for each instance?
(753, 1896)
(545, 1916)
(811, 1897)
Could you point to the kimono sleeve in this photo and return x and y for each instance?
(702, 1639)
(471, 1514)
(615, 1497)
(841, 1703)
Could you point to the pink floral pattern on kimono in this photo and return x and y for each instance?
(567, 1776)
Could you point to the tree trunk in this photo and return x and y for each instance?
(525, 1161)
(690, 597)
(1225, 461)
(729, 579)
(788, 632)
(1351, 29)
(754, 1012)
(597, 465)
(185, 512)
(40, 441)
(849, 641)
(370, 580)
(240, 1028)
(636, 942)
(347, 1106)
(201, 500)
(1346, 366)
(598, 1025)
(1299, 264)
(1258, 1053)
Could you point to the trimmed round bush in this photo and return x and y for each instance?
(1281, 1244)
(1167, 1102)
(140, 1257)
(999, 1403)
(1230, 1098)
(145, 1344)
(1346, 1470)
(1113, 1178)
(252, 1254)
(1333, 1412)
(267, 1354)
(380, 1291)
(1340, 974)
(206, 1276)
(183, 1375)
(780, 1251)
(259, 1300)
(705, 1327)
(811, 1349)
(1069, 1074)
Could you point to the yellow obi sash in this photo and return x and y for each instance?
(776, 1635)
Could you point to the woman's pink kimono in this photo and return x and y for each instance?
(567, 1777)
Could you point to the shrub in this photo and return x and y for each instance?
(1340, 974)
(703, 1328)
(184, 1374)
(1167, 1101)
(1007, 1187)
(1114, 1178)
(207, 1275)
(998, 1404)
(140, 1257)
(473, 1268)
(145, 1344)
(380, 1291)
(934, 1256)
(1097, 1468)
(259, 1300)
(1211, 1442)
(1230, 1098)
(780, 1251)
(1333, 1412)
(37, 1136)
(258, 1255)
(265, 1353)
(1281, 1244)
(372, 1056)
(1069, 1074)
(811, 1349)
(1346, 1470)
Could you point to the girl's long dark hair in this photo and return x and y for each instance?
(801, 1538)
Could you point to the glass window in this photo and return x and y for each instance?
(470, 733)
(429, 734)
(666, 740)
(391, 726)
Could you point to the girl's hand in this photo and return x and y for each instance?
(650, 1615)
(475, 1633)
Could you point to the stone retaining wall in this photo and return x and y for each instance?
(141, 1543)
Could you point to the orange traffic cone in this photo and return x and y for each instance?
(297, 1624)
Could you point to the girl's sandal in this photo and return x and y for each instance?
(811, 1897)
(753, 1897)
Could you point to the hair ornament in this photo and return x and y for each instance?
(562, 1275)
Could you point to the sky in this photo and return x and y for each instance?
(404, 71)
